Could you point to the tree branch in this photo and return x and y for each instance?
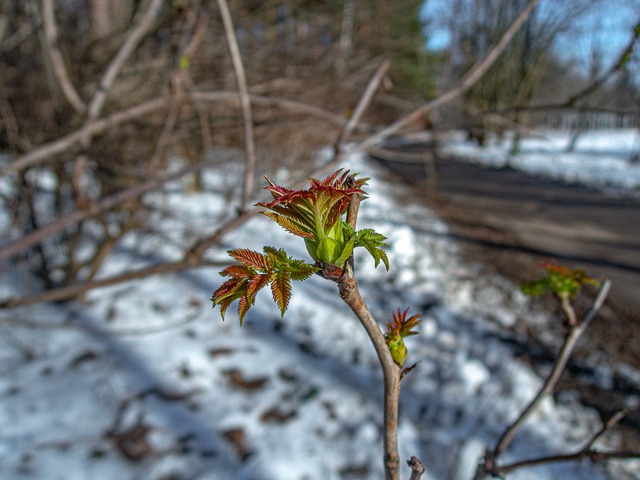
(573, 334)
(245, 102)
(363, 103)
(43, 152)
(417, 468)
(134, 37)
(52, 49)
(469, 80)
(350, 293)
(14, 248)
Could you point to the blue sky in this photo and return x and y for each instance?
(607, 27)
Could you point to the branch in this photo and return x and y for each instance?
(469, 80)
(14, 248)
(574, 333)
(623, 58)
(417, 469)
(586, 452)
(59, 68)
(43, 152)
(132, 40)
(350, 293)
(245, 102)
(363, 103)
(70, 291)
(70, 140)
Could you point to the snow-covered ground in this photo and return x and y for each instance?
(605, 159)
(147, 369)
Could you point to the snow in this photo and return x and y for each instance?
(603, 159)
(283, 399)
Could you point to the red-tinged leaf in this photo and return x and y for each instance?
(238, 271)
(401, 325)
(291, 226)
(282, 195)
(227, 293)
(281, 289)
(243, 307)
(250, 258)
(255, 285)
(228, 289)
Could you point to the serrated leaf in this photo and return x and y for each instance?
(238, 271)
(254, 273)
(278, 256)
(249, 258)
(281, 289)
(372, 241)
(300, 270)
(291, 225)
(227, 293)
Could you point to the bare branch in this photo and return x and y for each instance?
(134, 37)
(586, 452)
(59, 67)
(363, 103)
(350, 293)
(17, 246)
(622, 59)
(65, 293)
(417, 468)
(469, 80)
(574, 333)
(241, 78)
(40, 154)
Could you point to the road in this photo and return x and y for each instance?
(512, 221)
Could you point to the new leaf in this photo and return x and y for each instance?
(253, 272)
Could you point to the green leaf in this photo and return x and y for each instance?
(372, 241)
(559, 280)
(253, 272)
(300, 270)
(281, 289)
(399, 328)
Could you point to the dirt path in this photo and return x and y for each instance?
(512, 221)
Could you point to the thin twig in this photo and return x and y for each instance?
(417, 468)
(469, 80)
(44, 152)
(363, 103)
(127, 48)
(59, 67)
(249, 142)
(559, 365)
(586, 452)
(350, 293)
(74, 290)
(14, 248)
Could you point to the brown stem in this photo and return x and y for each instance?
(59, 67)
(241, 78)
(363, 103)
(417, 468)
(350, 293)
(14, 248)
(559, 365)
